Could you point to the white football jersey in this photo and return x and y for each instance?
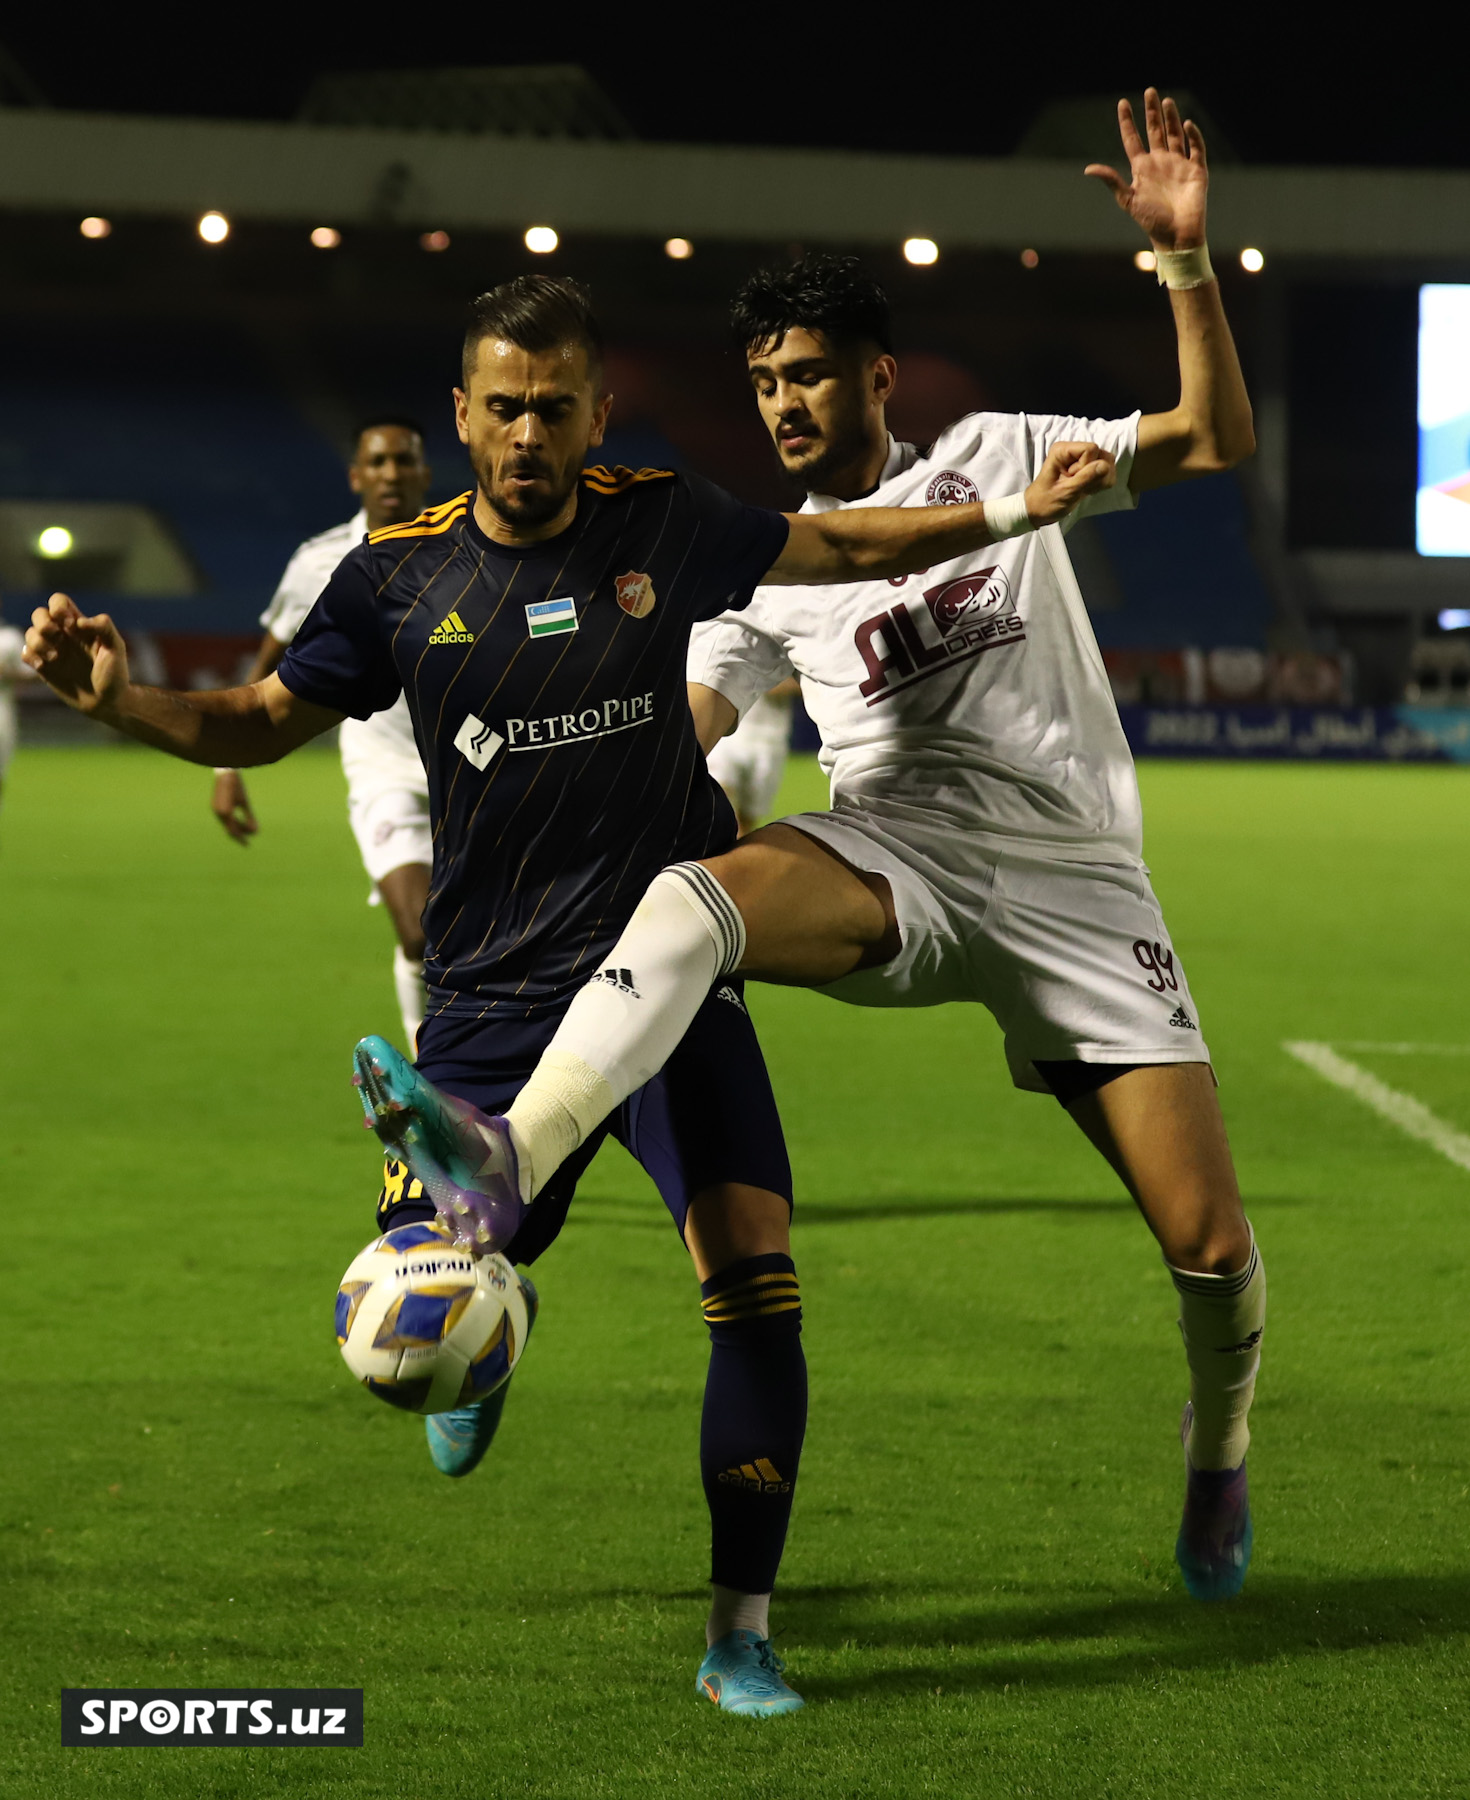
(388, 734)
(972, 695)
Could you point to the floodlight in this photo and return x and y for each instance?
(54, 541)
(1252, 261)
(434, 240)
(214, 228)
(541, 240)
(93, 227)
(921, 252)
(1146, 261)
(680, 249)
(326, 237)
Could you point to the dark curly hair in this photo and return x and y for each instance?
(831, 294)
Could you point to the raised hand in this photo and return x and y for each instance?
(83, 659)
(1170, 179)
(1070, 473)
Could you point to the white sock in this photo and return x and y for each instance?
(408, 984)
(626, 1022)
(1222, 1318)
(730, 1611)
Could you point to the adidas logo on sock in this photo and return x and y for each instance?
(1181, 1019)
(758, 1477)
(728, 993)
(451, 630)
(621, 979)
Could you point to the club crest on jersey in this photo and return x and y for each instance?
(549, 618)
(950, 488)
(635, 594)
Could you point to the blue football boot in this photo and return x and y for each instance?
(741, 1673)
(463, 1157)
(459, 1439)
(1213, 1549)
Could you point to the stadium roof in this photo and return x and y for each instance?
(333, 174)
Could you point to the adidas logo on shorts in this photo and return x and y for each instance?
(728, 993)
(621, 979)
(1181, 1020)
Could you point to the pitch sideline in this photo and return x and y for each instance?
(1410, 1115)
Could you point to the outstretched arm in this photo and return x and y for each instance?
(1210, 429)
(861, 543)
(85, 661)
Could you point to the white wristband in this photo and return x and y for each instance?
(1007, 517)
(1184, 268)
(227, 771)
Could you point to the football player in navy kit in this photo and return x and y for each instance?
(539, 627)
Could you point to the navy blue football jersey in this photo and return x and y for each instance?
(546, 684)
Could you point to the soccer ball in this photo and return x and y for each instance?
(425, 1325)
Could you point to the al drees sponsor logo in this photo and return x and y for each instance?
(206, 1716)
(959, 619)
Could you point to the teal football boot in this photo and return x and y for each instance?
(463, 1157)
(1216, 1535)
(459, 1439)
(741, 1673)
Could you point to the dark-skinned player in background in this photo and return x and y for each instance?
(387, 788)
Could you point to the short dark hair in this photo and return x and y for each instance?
(832, 294)
(378, 420)
(534, 312)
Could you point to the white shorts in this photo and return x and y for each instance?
(1072, 958)
(7, 727)
(750, 773)
(388, 806)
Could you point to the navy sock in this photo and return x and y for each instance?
(754, 1417)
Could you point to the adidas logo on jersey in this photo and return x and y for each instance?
(760, 1477)
(1181, 1020)
(621, 979)
(451, 630)
(728, 993)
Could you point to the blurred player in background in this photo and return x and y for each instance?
(387, 789)
(12, 669)
(985, 837)
(750, 762)
(540, 628)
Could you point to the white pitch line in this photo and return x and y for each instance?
(1404, 1049)
(1403, 1110)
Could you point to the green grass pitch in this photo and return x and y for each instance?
(979, 1597)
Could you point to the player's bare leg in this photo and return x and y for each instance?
(405, 893)
(750, 1438)
(1160, 1128)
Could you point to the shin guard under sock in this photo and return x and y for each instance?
(754, 1418)
(1222, 1318)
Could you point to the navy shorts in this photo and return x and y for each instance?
(708, 1116)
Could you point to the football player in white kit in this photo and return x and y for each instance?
(387, 789)
(749, 763)
(984, 838)
(12, 669)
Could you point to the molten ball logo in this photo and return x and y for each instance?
(950, 488)
(986, 591)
